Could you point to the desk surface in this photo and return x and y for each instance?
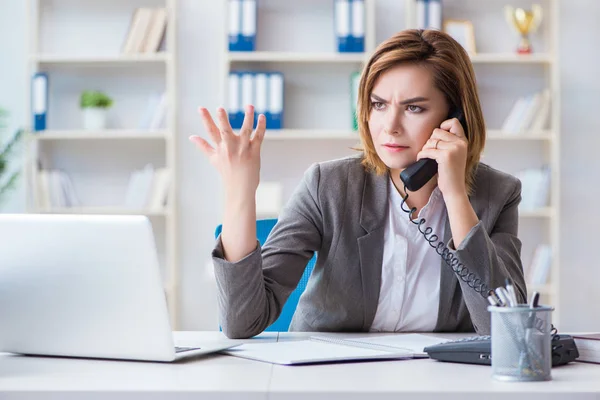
(227, 377)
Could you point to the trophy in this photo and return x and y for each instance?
(524, 22)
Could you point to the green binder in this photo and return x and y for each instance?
(354, 81)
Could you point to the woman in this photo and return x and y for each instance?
(375, 271)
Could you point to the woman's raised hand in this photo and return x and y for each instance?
(236, 157)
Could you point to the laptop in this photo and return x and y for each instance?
(86, 286)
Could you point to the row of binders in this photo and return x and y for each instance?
(265, 90)
(242, 25)
(429, 14)
(350, 22)
(535, 183)
(53, 189)
(147, 190)
(146, 31)
(349, 17)
(529, 113)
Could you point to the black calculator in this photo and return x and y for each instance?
(478, 349)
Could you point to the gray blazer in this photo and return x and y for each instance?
(339, 210)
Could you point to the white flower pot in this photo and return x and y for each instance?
(94, 118)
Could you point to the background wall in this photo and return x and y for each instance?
(200, 207)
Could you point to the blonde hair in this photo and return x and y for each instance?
(453, 75)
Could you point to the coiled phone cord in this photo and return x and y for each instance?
(463, 273)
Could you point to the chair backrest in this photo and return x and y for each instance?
(282, 324)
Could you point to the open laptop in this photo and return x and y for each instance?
(85, 286)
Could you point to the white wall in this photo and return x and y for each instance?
(200, 208)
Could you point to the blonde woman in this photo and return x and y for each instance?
(375, 271)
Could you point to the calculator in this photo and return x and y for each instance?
(478, 349)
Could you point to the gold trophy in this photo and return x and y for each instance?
(524, 22)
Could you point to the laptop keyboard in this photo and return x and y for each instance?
(182, 349)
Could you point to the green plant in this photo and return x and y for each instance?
(7, 184)
(95, 99)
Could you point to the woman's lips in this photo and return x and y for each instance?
(395, 148)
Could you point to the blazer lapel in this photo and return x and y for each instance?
(370, 246)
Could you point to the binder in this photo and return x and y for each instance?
(247, 93)
(261, 86)
(354, 82)
(234, 108)
(39, 100)
(435, 14)
(248, 27)
(429, 14)
(275, 106)
(358, 26)
(235, 24)
(342, 25)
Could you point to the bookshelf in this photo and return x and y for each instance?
(79, 47)
(495, 59)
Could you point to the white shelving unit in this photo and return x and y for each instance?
(79, 47)
(542, 223)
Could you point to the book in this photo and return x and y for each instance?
(588, 345)
(327, 349)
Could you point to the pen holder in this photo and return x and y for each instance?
(521, 343)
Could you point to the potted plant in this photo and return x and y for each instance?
(8, 179)
(94, 105)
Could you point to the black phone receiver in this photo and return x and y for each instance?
(418, 174)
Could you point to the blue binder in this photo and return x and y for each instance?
(39, 100)
(235, 25)
(235, 109)
(275, 101)
(242, 25)
(357, 34)
(261, 96)
(342, 25)
(248, 25)
(429, 14)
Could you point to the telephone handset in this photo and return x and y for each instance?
(418, 174)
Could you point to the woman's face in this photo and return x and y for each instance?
(405, 109)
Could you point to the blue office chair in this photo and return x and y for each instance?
(281, 324)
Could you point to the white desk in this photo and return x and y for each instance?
(226, 377)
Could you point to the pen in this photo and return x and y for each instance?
(511, 291)
(503, 295)
(494, 300)
(535, 298)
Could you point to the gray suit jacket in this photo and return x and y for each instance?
(339, 210)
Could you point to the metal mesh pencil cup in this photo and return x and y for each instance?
(521, 343)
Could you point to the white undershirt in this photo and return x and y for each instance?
(409, 296)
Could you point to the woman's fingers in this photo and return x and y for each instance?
(225, 127)
(203, 145)
(261, 128)
(248, 123)
(209, 125)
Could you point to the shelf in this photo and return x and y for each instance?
(321, 134)
(275, 56)
(103, 211)
(529, 135)
(117, 59)
(111, 134)
(333, 57)
(511, 58)
(545, 212)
